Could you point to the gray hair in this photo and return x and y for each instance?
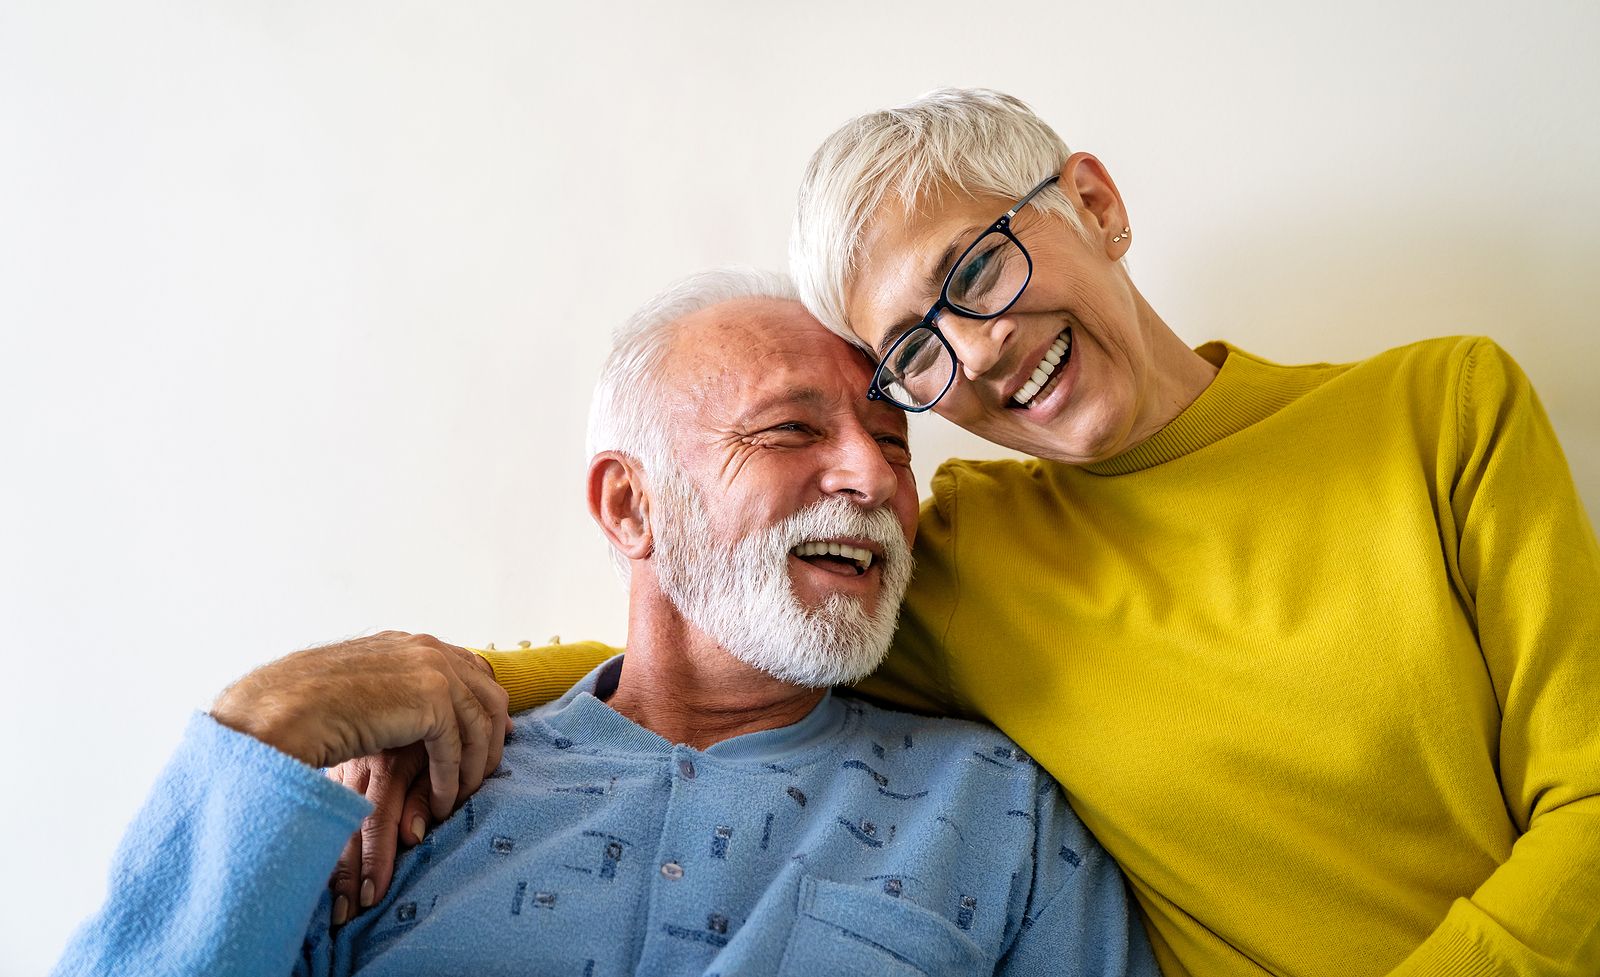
(630, 397)
(972, 140)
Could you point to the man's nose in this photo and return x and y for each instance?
(858, 470)
(979, 343)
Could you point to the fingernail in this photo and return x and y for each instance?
(419, 827)
(341, 910)
(366, 893)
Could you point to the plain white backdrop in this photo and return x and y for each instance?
(300, 302)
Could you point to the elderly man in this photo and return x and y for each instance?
(700, 804)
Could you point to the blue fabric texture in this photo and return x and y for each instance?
(856, 841)
(221, 867)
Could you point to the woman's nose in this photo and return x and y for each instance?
(979, 343)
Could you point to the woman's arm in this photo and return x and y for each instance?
(534, 676)
(1526, 562)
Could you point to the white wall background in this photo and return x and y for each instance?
(300, 302)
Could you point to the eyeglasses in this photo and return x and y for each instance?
(985, 281)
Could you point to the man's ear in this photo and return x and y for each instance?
(1099, 205)
(619, 503)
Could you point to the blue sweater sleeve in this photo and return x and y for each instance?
(1078, 919)
(221, 869)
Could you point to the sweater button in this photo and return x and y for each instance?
(686, 767)
(672, 870)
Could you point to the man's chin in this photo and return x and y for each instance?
(823, 675)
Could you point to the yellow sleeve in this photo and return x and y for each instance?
(1527, 565)
(915, 675)
(534, 676)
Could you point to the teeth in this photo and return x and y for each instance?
(1041, 373)
(862, 557)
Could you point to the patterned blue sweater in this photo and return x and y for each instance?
(856, 841)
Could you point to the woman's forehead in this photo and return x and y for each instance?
(903, 255)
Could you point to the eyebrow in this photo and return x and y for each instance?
(897, 330)
(933, 280)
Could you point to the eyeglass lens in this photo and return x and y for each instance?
(918, 369)
(989, 276)
(987, 279)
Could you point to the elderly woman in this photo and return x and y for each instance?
(1314, 650)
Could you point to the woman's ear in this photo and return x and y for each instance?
(619, 503)
(1099, 205)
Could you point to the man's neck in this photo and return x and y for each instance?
(682, 686)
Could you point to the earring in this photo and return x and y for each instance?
(1119, 237)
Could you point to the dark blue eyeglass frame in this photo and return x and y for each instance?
(877, 389)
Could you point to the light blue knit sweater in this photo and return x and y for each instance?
(856, 841)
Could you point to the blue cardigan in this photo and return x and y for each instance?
(856, 841)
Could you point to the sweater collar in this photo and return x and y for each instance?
(581, 718)
(1246, 389)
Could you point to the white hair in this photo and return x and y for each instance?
(632, 412)
(970, 140)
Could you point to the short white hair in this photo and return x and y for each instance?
(970, 140)
(632, 412)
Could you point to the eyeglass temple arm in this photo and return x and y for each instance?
(1031, 194)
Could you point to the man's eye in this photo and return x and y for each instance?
(895, 449)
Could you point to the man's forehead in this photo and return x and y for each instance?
(824, 373)
(746, 323)
(827, 391)
(754, 347)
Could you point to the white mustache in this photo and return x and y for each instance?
(834, 517)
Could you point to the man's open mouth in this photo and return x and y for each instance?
(1047, 373)
(841, 558)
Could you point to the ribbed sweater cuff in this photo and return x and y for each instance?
(1458, 948)
(534, 676)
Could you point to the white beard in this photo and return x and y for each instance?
(740, 595)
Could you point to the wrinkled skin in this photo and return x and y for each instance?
(411, 721)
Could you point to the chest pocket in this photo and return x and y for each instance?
(848, 931)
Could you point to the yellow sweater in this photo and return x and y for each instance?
(1319, 664)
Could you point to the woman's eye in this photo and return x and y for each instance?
(969, 274)
(978, 274)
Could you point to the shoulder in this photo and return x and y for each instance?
(1432, 363)
(998, 472)
(1419, 386)
(1466, 380)
(976, 483)
(943, 745)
